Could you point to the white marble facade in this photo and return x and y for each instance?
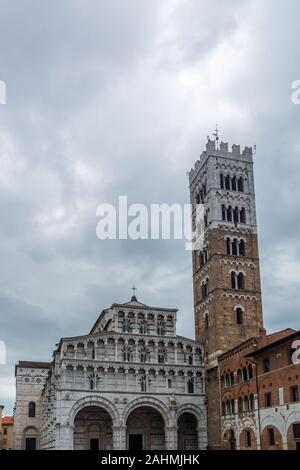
(130, 383)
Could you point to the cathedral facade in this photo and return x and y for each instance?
(131, 383)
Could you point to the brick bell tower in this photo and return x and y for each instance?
(226, 277)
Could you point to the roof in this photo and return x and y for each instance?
(283, 339)
(133, 303)
(34, 365)
(7, 420)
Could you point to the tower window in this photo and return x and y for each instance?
(233, 278)
(243, 216)
(206, 321)
(239, 316)
(234, 247)
(227, 182)
(169, 383)
(31, 409)
(242, 250)
(233, 183)
(229, 214)
(221, 180)
(240, 281)
(241, 184)
(236, 215)
(223, 212)
(228, 243)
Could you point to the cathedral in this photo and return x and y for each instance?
(133, 383)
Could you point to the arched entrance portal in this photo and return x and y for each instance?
(187, 432)
(145, 429)
(93, 429)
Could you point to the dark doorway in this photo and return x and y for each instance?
(135, 442)
(94, 444)
(30, 443)
(297, 445)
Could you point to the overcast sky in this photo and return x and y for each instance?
(117, 97)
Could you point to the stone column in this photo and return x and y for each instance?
(171, 437)
(202, 437)
(122, 437)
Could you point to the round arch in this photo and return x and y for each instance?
(94, 401)
(146, 402)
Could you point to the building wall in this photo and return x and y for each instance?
(30, 381)
(8, 436)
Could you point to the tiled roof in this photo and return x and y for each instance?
(7, 420)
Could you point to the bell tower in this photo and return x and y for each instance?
(226, 277)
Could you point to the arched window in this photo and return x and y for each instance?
(246, 404)
(236, 215)
(143, 327)
(243, 216)
(239, 316)
(231, 378)
(222, 180)
(31, 409)
(198, 201)
(228, 243)
(234, 247)
(241, 281)
(241, 184)
(190, 360)
(240, 405)
(223, 408)
(242, 248)
(206, 287)
(227, 182)
(127, 354)
(126, 326)
(191, 386)
(251, 402)
(206, 321)
(161, 356)
(232, 407)
(233, 183)
(239, 376)
(245, 374)
(161, 328)
(223, 212)
(233, 279)
(250, 371)
(229, 214)
(144, 355)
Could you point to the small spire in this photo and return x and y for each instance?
(133, 298)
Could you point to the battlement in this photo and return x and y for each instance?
(212, 149)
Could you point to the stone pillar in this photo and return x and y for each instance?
(122, 437)
(202, 437)
(171, 437)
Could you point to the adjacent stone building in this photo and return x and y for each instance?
(131, 383)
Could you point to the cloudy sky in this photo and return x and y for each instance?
(117, 97)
